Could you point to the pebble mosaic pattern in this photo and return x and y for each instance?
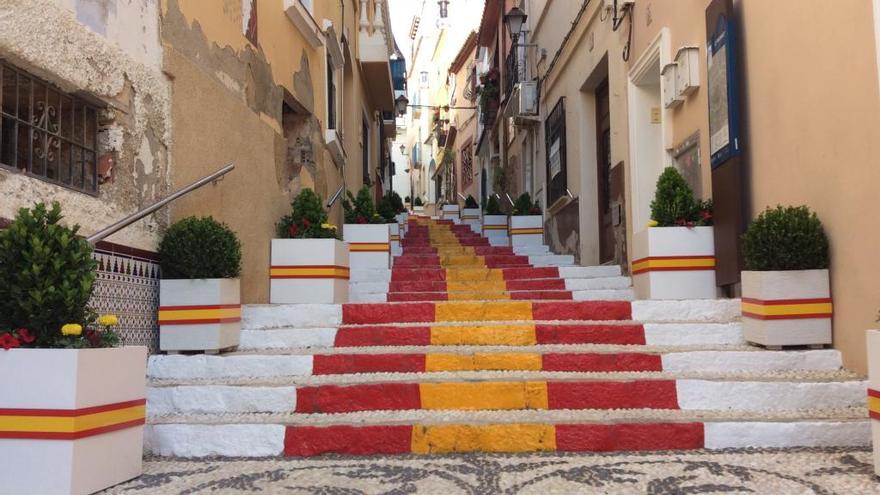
(779, 472)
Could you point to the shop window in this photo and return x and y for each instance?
(554, 132)
(46, 133)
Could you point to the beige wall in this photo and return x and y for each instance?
(227, 107)
(812, 134)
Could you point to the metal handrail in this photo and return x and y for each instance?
(335, 196)
(134, 217)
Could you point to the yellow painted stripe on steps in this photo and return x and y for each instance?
(488, 284)
(484, 361)
(483, 311)
(462, 396)
(478, 296)
(444, 439)
(518, 335)
(461, 275)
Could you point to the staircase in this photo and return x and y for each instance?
(469, 347)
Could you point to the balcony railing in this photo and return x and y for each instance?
(513, 71)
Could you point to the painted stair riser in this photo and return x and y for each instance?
(687, 394)
(177, 367)
(400, 274)
(495, 335)
(259, 440)
(482, 296)
(485, 311)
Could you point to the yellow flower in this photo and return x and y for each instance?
(71, 329)
(108, 321)
(328, 226)
(652, 223)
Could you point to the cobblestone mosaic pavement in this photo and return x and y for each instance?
(765, 471)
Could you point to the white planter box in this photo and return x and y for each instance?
(199, 315)
(394, 239)
(786, 307)
(309, 271)
(77, 424)
(495, 229)
(526, 230)
(418, 209)
(451, 212)
(674, 263)
(472, 217)
(873, 344)
(368, 245)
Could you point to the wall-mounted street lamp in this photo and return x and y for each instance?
(444, 8)
(514, 20)
(403, 150)
(400, 103)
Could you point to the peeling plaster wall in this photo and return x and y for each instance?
(45, 38)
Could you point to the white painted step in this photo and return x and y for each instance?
(724, 395)
(531, 250)
(258, 437)
(551, 260)
(260, 316)
(598, 283)
(589, 271)
(367, 297)
(206, 367)
(369, 275)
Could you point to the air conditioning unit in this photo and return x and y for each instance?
(528, 98)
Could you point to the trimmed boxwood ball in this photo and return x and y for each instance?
(525, 206)
(199, 247)
(47, 274)
(470, 202)
(786, 238)
(492, 206)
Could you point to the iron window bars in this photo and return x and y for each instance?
(47, 133)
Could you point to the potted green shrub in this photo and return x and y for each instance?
(388, 211)
(309, 264)
(402, 215)
(199, 294)
(62, 364)
(674, 257)
(471, 214)
(365, 231)
(786, 293)
(418, 205)
(495, 223)
(526, 222)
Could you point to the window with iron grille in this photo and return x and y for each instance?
(467, 165)
(554, 132)
(331, 94)
(46, 133)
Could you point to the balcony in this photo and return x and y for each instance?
(375, 48)
(514, 71)
(300, 14)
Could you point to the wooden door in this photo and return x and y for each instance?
(603, 173)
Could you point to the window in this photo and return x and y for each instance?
(46, 133)
(554, 131)
(423, 78)
(467, 165)
(331, 94)
(249, 20)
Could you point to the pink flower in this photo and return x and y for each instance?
(25, 335)
(7, 341)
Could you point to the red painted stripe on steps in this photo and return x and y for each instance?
(417, 286)
(336, 364)
(364, 397)
(382, 335)
(354, 314)
(417, 296)
(530, 272)
(536, 284)
(409, 274)
(590, 334)
(651, 394)
(598, 362)
(582, 310)
(554, 295)
(632, 436)
(304, 441)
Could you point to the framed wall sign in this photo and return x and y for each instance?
(724, 139)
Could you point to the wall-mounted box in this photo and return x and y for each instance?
(671, 99)
(687, 73)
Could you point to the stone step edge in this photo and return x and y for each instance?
(475, 376)
(530, 349)
(688, 395)
(266, 439)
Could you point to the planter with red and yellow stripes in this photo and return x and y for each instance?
(394, 239)
(309, 271)
(451, 212)
(495, 229)
(526, 230)
(472, 217)
(71, 420)
(369, 245)
(674, 263)
(199, 314)
(873, 341)
(783, 308)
